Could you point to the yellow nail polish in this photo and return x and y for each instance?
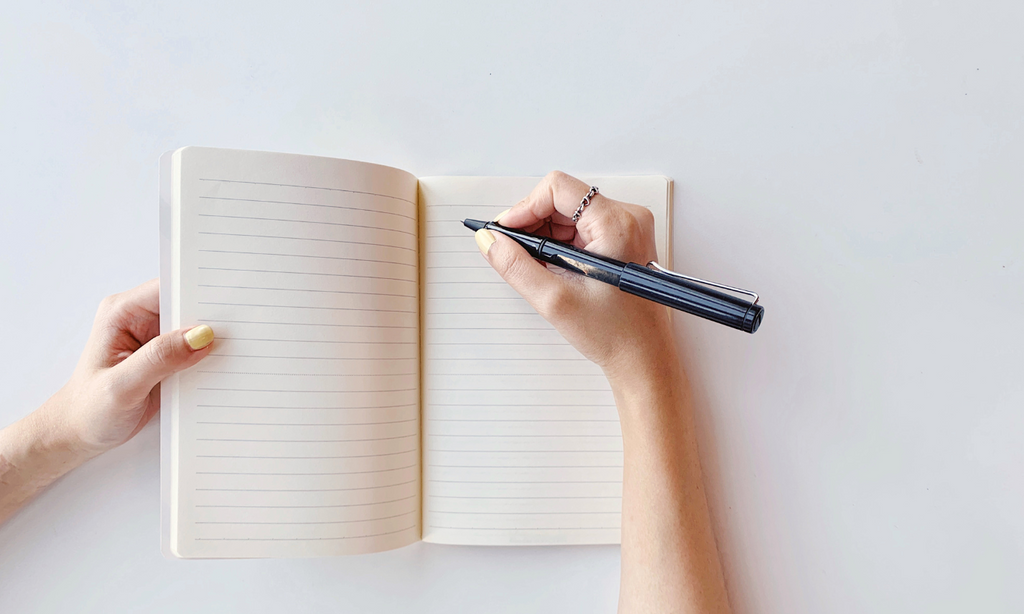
(498, 217)
(484, 239)
(199, 337)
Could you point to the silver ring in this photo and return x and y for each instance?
(583, 203)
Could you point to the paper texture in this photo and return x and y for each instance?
(299, 434)
(373, 381)
(521, 436)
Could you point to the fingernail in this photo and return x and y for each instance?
(199, 337)
(484, 239)
(498, 217)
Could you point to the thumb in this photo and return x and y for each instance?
(163, 356)
(545, 291)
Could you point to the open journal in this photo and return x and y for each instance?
(373, 381)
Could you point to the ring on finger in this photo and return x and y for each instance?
(583, 203)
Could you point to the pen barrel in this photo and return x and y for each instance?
(691, 297)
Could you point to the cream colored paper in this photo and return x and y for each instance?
(521, 436)
(299, 434)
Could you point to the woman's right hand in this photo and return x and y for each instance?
(669, 558)
(618, 331)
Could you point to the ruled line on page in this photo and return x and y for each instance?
(500, 358)
(527, 528)
(515, 420)
(213, 268)
(534, 451)
(313, 506)
(527, 466)
(475, 206)
(306, 374)
(357, 440)
(523, 513)
(304, 407)
(297, 539)
(294, 221)
(226, 321)
(236, 234)
(309, 187)
(477, 283)
(228, 251)
(357, 292)
(479, 436)
(533, 405)
(262, 457)
(516, 389)
(514, 298)
(306, 423)
(302, 473)
(309, 391)
(311, 357)
(528, 482)
(489, 313)
(306, 307)
(260, 522)
(478, 497)
(480, 267)
(490, 343)
(305, 489)
(298, 204)
(319, 341)
(504, 373)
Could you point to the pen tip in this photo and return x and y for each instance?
(473, 225)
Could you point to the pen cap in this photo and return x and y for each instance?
(691, 297)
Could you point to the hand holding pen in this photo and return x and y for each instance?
(669, 557)
(611, 328)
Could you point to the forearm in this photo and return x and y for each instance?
(669, 556)
(34, 452)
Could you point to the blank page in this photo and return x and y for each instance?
(521, 436)
(299, 434)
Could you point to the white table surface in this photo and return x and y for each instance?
(859, 164)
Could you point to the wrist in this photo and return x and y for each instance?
(651, 391)
(34, 452)
(50, 433)
(645, 367)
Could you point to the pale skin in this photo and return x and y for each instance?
(669, 557)
(113, 392)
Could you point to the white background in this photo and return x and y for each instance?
(859, 164)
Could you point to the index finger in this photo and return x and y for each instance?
(145, 296)
(554, 199)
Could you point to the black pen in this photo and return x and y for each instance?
(651, 282)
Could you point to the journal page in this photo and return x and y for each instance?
(521, 436)
(299, 434)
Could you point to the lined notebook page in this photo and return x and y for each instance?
(299, 434)
(521, 436)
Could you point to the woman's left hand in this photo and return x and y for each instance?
(113, 393)
(115, 388)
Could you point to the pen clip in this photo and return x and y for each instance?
(657, 267)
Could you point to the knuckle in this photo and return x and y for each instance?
(630, 227)
(645, 217)
(160, 353)
(109, 304)
(555, 177)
